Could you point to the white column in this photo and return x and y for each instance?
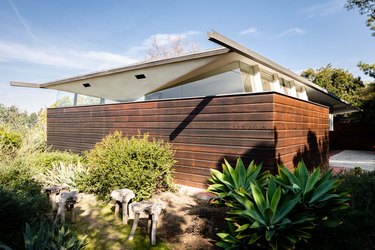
(292, 91)
(256, 80)
(275, 85)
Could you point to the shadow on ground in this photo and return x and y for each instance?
(186, 223)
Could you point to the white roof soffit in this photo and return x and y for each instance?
(121, 84)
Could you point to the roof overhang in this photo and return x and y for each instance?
(122, 84)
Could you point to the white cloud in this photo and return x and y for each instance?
(292, 31)
(22, 20)
(324, 9)
(71, 59)
(248, 31)
(80, 59)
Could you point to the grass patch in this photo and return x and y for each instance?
(96, 220)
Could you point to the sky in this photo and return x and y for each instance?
(45, 40)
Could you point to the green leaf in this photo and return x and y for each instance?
(232, 174)
(285, 209)
(243, 227)
(269, 234)
(275, 199)
(241, 172)
(255, 225)
(258, 197)
(302, 174)
(292, 179)
(311, 181)
(323, 188)
(254, 238)
(254, 214)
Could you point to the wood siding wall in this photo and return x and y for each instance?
(301, 132)
(203, 131)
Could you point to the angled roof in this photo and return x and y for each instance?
(136, 80)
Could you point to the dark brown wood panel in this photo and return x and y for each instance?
(265, 127)
(301, 130)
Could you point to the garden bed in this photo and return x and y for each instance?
(186, 223)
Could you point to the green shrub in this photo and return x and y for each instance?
(357, 229)
(63, 174)
(21, 201)
(50, 236)
(44, 160)
(278, 214)
(136, 163)
(9, 142)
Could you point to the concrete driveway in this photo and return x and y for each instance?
(353, 158)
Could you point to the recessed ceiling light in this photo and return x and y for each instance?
(86, 85)
(140, 76)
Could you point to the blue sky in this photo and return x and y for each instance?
(45, 40)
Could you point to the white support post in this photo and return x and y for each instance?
(75, 99)
(275, 85)
(256, 79)
(292, 91)
(303, 94)
(245, 74)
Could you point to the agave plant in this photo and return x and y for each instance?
(225, 183)
(315, 190)
(52, 237)
(278, 211)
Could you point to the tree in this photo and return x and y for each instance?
(172, 45)
(337, 81)
(14, 118)
(343, 84)
(368, 69)
(365, 7)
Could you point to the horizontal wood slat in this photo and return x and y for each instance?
(203, 131)
(302, 132)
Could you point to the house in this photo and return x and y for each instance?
(222, 103)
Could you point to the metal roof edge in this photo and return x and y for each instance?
(24, 84)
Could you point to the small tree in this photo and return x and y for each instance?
(170, 46)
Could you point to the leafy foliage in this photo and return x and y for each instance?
(16, 119)
(52, 237)
(356, 232)
(337, 81)
(365, 7)
(46, 160)
(368, 69)
(20, 201)
(10, 142)
(282, 212)
(63, 174)
(136, 163)
(343, 84)
(226, 183)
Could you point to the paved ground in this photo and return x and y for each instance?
(353, 158)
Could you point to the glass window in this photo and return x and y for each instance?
(267, 80)
(224, 83)
(87, 100)
(64, 99)
(285, 86)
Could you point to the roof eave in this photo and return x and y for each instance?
(24, 84)
(191, 56)
(238, 48)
